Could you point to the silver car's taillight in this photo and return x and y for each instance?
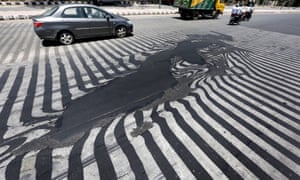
(37, 24)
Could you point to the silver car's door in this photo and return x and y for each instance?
(75, 20)
(99, 24)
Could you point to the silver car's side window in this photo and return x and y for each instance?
(74, 12)
(94, 13)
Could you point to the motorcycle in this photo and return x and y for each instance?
(237, 18)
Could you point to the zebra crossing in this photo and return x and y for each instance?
(241, 123)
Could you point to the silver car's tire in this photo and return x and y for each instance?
(66, 38)
(121, 31)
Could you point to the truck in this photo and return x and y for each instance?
(194, 8)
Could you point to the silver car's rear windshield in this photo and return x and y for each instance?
(50, 11)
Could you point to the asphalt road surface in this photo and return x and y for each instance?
(282, 23)
(180, 99)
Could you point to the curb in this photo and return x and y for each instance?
(44, 3)
(126, 13)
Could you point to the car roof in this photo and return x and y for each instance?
(76, 5)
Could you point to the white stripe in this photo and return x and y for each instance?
(202, 158)
(56, 88)
(6, 30)
(116, 154)
(90, 167)
(132, 44)
(107, 57)
(291, 58)
(28, 171)
(13, 122)
(40, 89)
(72, 83)
(100, 60)
(8, 85)
(271, 89)
(138, 143)
(256, 139)
(281, 68)
(269, 69)
(60, 162)
(119, 43)
(37, 110)
(3, 167)
(91, 171)
(280, 116)
(116, 52)
(32, 55)
(267, 76)
(259, 161)
(83, 72)
(213, 143)
(258, 114)
(20, 56)
(9, 46)
(173, 158)
(90, 63)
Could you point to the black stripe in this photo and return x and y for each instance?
(196, 169)
(114, 48)
(278, 66)
(267, 71)
(274, 118)
(96, 63)
(120, 62)
(134, 61)
(145, 42)
(144, 46)
(263, 123)
(256, 148)
(10, 43)
(107, 61)
(255, 71)
(226, 144)
(77, 75)
(4, 78)
(275, 94)
(66, 95)
(105, 166)
(139, 119)
(75, 170)
(48, 85)
(44, 164)
(85, 66)
(154, 149)
(13, 168)
(210, 152)
(28, 102)
(117, 45)
(18, 44)
(28, 49)
(134, 160)
(12, 96)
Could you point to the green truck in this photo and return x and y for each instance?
(194, 8)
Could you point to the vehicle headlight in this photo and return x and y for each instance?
(129, 22)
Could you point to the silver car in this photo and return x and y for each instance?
(67, 23)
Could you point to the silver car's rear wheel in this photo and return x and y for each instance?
(121, 31)
(66, 38)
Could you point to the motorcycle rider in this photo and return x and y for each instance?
(236, 12)
(249, 11)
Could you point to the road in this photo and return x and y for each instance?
(195, 99)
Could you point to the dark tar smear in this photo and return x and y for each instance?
(136, 90)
